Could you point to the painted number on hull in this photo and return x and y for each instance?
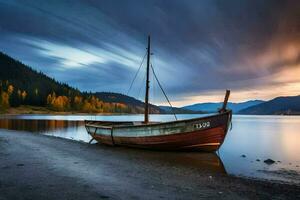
(202, 125)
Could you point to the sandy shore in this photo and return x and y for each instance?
(40, 167)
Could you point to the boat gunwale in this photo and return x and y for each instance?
(151, 124)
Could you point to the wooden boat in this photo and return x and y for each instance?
(198, 134)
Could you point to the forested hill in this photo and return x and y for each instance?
(28, 86)
(136, 105)
(21, 85)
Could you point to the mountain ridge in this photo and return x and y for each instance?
(284, 105)
(176, 110)
(213, 107)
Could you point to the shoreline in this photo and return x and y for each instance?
(56, 168)
(36, 110)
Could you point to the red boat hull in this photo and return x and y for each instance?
(170, 136)
(208, 140)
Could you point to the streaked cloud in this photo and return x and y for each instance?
(68, 57)
(83, 56)
(200, 48)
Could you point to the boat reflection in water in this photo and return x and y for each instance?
(204, 162)
(199, 161)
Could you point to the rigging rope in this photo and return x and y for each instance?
(142, 85)
(136, 73)
(153, 90)
(163, 92)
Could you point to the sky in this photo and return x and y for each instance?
(199, 48)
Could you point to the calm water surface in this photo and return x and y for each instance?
(256, 137)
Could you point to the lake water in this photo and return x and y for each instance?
(256, 137)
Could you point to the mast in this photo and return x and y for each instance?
(146, 120)
(223, 109)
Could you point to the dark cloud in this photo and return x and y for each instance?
(198, 45)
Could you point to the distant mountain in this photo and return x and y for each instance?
(278, 106)
(176, 110)
(213, 107)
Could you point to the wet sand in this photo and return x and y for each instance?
(35, 166)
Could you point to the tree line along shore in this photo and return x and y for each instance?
(10, 96)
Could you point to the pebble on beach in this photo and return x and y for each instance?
(269, 161)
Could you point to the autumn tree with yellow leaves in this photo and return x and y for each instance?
(5, 95)
(10, 95)
(93, 104)
(58, 103)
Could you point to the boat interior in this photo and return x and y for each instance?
(116, 124)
